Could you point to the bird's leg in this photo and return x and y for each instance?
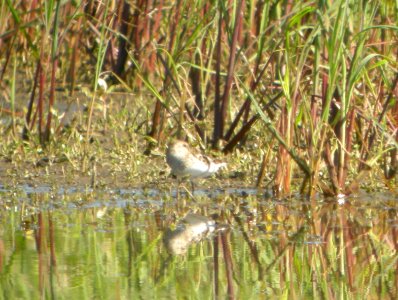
(193, 187)
(189, 193)
(178, 188)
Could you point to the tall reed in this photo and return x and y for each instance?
(317, 77)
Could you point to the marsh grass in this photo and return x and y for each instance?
(316, 80)
(295, 96)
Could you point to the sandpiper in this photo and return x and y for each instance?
(185, 162)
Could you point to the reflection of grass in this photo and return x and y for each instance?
(283, 248)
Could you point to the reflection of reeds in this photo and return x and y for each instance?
(291, 247)
(318, 78)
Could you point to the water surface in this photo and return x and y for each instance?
(237, 243)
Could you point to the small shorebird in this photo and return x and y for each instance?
(185, 162)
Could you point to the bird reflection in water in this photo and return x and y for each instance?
(192, 229)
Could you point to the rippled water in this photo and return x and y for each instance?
(237, 243)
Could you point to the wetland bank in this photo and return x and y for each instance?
(299, 99)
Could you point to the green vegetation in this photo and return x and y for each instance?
(310, 85)
(296, 96)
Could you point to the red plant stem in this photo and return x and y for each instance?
(242, 132)
(243, 109)
(30, 105)
(348, 241)
(174, 25)
(155, 119)
(217, 100)
(195, 77)
(42, 80)
(74, 59)
(7, 56)
(146, 29)
(231, 66)
(251, 243)
(157, 113)
(52, 240)
(216, 243)
(137, 28)
(228, 264)
(155, 33)
(122, 49)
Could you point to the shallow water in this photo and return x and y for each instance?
(132, 243)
